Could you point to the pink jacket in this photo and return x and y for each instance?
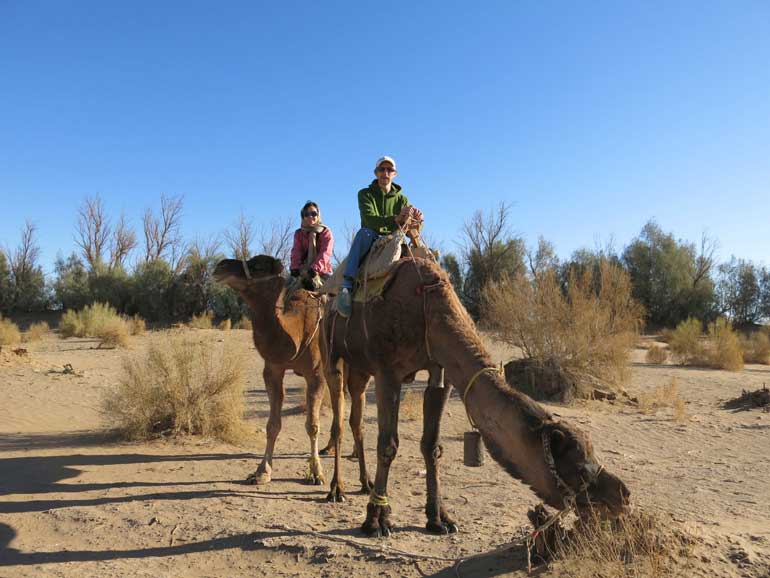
(322, 264)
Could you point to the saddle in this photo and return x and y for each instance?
(377, 268)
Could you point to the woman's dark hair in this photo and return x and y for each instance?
(308, 205)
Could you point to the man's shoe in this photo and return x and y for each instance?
(344, 302)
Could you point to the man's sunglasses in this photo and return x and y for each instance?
(386, 170)
(311, 214)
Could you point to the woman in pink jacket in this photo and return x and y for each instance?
(311, 254)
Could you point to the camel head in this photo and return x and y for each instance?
(575, 470)
(251, 278)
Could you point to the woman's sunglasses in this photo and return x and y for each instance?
(311, 214)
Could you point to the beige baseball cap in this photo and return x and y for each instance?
(384, 160)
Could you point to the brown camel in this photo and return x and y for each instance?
(287, 337)
(554, 458)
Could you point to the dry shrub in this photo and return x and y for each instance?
(182, 385)
(411, 405)
(685, 343)
(637, 545)
(9, 332)
(225, 325)
(36, 331)
(136, 324)
(203, 321)
(724, 346)
(71, 324)
(243, 323)
(656, 354)
(98, 320)
(665, 396)
(756, 348)
(585, 331)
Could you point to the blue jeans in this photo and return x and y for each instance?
(362, 242)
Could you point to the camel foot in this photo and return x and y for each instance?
(336, 494)
(328, 450)
(377, 521)
(442, 528)
(314, 479)
(258, 479)
(442, 524)
(366, 487)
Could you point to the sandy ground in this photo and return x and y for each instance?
(74, 502)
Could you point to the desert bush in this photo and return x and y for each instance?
(9, 332)
(225, 325)
(686, 344)
(756, 348)
(656, 354)
(724, 346)
(638, 545)
(36, 331)
(202, 321)
(71, 324)
(182, 385)
(244, 323)
(136, 325)
(584, 331)
(98, 320)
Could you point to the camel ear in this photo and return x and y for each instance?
(559, 442)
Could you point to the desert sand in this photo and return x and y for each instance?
(76, 502)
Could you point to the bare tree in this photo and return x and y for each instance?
(240, 237)
(123, 242)
(27, 279)
(161, 233)
(704, 262)
(343, 242)
(93, 231)
(276, 239)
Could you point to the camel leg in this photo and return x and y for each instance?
(357, 383)
(316, 384)
(434, 402)
(273, 376)
(337, 487)
(388, 388)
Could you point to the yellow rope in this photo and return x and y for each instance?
(471, 381)
(377, 500)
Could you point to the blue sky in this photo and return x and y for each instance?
(589, 118)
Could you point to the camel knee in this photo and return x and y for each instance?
(387, 448)
(312, 429)
(431, 452)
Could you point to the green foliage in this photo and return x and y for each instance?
(6, 298)
(670, 279)
(488, 264)
(740, 289)
(451, 265)
(71, 290)
(151, 291)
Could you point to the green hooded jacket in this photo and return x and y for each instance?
(378, 210)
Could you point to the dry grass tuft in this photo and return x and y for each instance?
(756, 348)
(584, 331)
(637, 545)
(98, 320)
(9, 332)
(721, 348)
(136, 325)
(411, 405)
(36, 331)
(666, 396)
(202, 321)
(226, 325)
(656, 354)
(182, 385)
(243, 323)
(685, 342)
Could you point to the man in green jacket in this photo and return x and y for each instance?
(384, 208)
